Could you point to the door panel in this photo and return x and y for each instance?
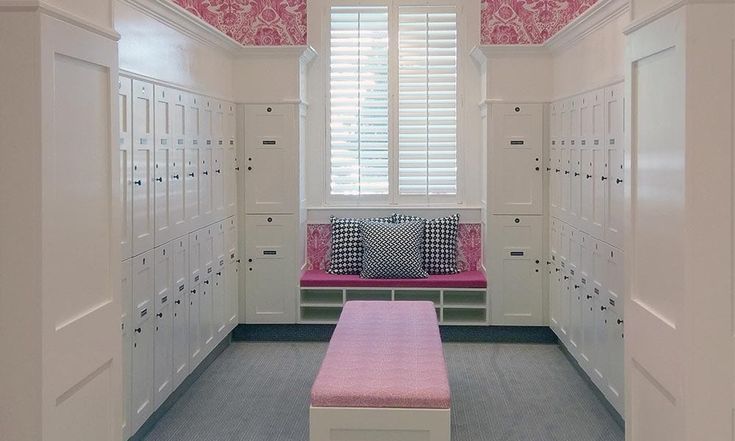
(218, 183)
(143, 163)
(126, 294)
(180, 310)
(125, 90)
(232, 270)
(192, 207)
(615, 115)
(195, 342)
(142, 396)
(163, 358)
(163, 160)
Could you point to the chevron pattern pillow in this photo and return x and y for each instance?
(440, 242)
(392, 251)
(346, 257)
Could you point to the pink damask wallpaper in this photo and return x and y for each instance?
(319, 239)
(254, 22)
(527, 21)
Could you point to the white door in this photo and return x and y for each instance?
(575, 186)
(143, 284)
(615, 374)
(206, 155)
(565, 181)
(218, 123)
(516, 159)
(599, 183)
(554, 297)
(554, 182)
(143, 159)
(163, 158)
(218, 183)
(195, 343)
(271, 145)
(163, 357)
(614, 278)
(192, 207)
(575, 316)
(232, 271)
(587, 345)
(270, 281)
(599, 266)
(218, 281)
(143, 334)
(614, 208)
(177, 168)
(564, 305)
(600, 354)
(231, 165)
(587, 191)
(196, 239)
(126, 295)
(515, 252)
(180, 331)
(206, 315)
(125, 90)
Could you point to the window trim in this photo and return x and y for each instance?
(393, 198)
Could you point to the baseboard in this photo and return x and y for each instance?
(598, 393)
(183, 387)
(475, 334)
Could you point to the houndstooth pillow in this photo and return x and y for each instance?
(392, 251)
(440, 243)
(346, 257)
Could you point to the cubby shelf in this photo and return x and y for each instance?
(461, 306)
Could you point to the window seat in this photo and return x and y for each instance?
(465, 279)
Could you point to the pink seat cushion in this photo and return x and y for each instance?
(465, 279)
(384, 354)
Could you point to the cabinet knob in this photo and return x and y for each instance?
(576, 287)
(576, 174)
(557, 170)
(589, 296)
(159, 315)
(191, 175)
(175, 176)
(193, 291)
(237, 168)
(206, 282)
(159, 179)
(178, 302)
(589, 176)
(138, 330)
(566, 172)
(603, 308)
(618, 181)
(602, 178)
(219, 273)
(138, 182)
(205, 173)
(218, 171)
(566, 277)
(620, 322)
(250, 168)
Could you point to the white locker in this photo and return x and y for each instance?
(575, 316)
(126, 296)
(516, 251)
(586, 210)
(586, 268)
(163, 159)
(192, 208)
(143, 158)
(272, 162)
(554, 297)
(180, 350)
(220, 302)
(218, 123)
(616, 372)
(177, 167)
(231, 165)
(125, 90)
(575, 251)
(232, 271)
(598, 166)
(587, 343)
(600, 355)
(163, 357)
(614, 278)
(272, 268)
(614, 137)
(564, 305)
(218, 182)
(206, 119)
(565, 180)
(206, 315)
(516, 159)
(196, 277)
(142, 398)
(599, 266)
(206, 155)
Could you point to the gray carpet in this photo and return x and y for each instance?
(500, 392)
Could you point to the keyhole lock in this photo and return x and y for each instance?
(270, 219)
(269, 109)
(517, 109)
(517, 220)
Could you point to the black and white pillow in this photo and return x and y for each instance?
(440, 243)
(346, 256)
(392, 251)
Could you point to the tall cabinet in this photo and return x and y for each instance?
(178, 169)
(585, 261)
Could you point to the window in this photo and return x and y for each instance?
(393, 103)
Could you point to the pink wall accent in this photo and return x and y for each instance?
(527, 21)
(319, 240)
(254, 22)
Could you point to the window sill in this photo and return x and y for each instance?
(320, 215)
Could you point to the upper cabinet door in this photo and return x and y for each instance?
(177, 168)
(272, 155)
(615, 148)
(163, 157)
(516, 159)
(125, 90)
(143, 158)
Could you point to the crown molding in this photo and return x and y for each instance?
(665, 10)
(304, 53)
(601, 13)
(43, 7)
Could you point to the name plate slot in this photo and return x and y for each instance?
(517, 142)
(269, 142)
(143, 312)
(181, 288)
(611, 302)
(597, 291)
(196, 278)
(164, 299)
(270, 252)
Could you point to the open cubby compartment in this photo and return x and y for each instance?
(465, 298)
(368, 294)
(321, 297)
(464, 316)
(433, 296)
(320, 314)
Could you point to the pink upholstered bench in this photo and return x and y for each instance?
(384, 375)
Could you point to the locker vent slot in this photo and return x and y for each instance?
(164, 299)
(571, 272)
(196, 279)
(517, 253)
(181, 288)
(209, 270)
(517, 142)
(597, 291)
(584, 281)
(144, 312)
(221, 262)
(180, 141)
(269, 142)
(270, 252)
(611, 301)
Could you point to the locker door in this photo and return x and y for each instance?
(600, 358)
(206, 156)
(599, 168)
(143, 197)
(554, 298)
(195, 258)
(192, 206)
(177, 169)
(575, 186)
(163, 161)
(125, 90)
(564, 245)
(564, 305)
(586, 268)
(566, 182)
(218, 182)
(615, 115)
(575, 316)
(143, 284)
(516, 153)
(271, 144)
(163, 273)
(163, 358)
(575, 252)
(142, 352)
(516, 268)
(180, 352)
(616, 359)
(126, 294)
(587, 347)
(218, 281)
(599, 262)
(614, 279)
(206, 119)
(231, 165)
(232, 271)
(554, 184)
(586, 210)
(270, 249)
(218, 123)
(206, 315)
(195, 342)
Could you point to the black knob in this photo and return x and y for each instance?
(191, 175)
(618, 181)
(237, 168)
(219, 273)
(566, 277)
(159, 315)
(193, 291)
(206, 282)
(159, 179)
(557, 170)
(548, 168)
(589, 176)
(576, 286)
(602, 308)
(238, 261)
(566, 172)
(175, 176)
(589, 296)
(205, 173)
(557, 270)
(178, 302)
(250, 260)
(270, 219)
(218, 171)
(602, 178)
(138, 182)
(537, 169)
(620, 322)
(576, 174)
(250, 168)
(138, 330)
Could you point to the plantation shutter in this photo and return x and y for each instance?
(359, 101)
(427, 101)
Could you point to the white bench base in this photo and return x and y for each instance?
(378, 424)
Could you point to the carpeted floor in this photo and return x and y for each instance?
(500, 392)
